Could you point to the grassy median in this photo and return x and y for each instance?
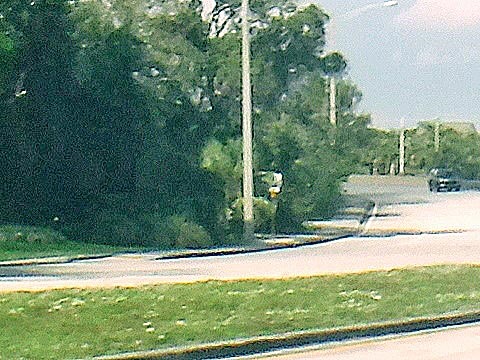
(71, 324)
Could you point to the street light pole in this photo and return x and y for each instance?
(401, 164)
(437, 136)
(349, 15)
(248, 218)
(333, 97)
(401, 148)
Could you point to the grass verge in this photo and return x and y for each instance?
(23, 242)
(72, 324)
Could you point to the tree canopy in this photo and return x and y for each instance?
(122, 118)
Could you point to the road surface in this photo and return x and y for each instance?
(439, 229)
(453, 344)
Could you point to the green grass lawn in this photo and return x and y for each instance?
(70, 324)
(22, 242)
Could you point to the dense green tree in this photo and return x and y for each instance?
(122, 118)
(457, 149)
(382, 151)
(38, 114)
(154, 65)
(333, 64)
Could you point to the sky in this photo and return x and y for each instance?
(419, 60)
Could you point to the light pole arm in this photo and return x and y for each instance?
(356, 12)
(353, 14)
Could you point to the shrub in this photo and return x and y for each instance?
(187, 234)
(30, 234)
(263, 211)
(112, 228)
(151, 230)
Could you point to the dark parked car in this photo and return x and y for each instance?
(443, 179)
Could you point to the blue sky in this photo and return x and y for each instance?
(416, 61)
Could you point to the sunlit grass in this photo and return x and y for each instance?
(21, 242)
(81, 323)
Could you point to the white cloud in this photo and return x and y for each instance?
(442, 14)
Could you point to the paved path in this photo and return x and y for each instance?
(416, 212)
(401, 209)
(443, 212)
(453, 344)
(345, 256)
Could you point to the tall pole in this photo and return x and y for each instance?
(437, 136)
(248, 220)
(401, 145)
(333, 107)
(332, 41)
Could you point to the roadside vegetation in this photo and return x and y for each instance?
(431, 144)
(122, 120)
(23, 242)
(70, 324)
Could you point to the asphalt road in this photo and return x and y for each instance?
(438, 228)
(413, 209)
(386, 190)
(452, 344)
(452, 217)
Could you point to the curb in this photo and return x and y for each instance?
(52, 260)
(198, 254)
(221, 252)
(365, 223)
(263, 344)
(171, 256)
